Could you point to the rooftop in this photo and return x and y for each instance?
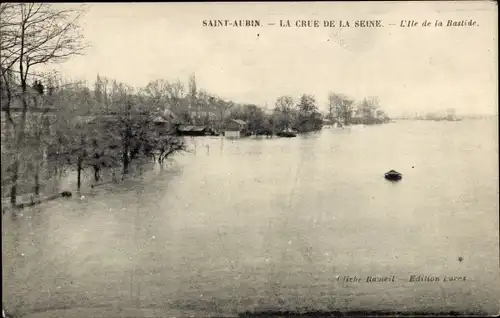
(239, 122)
(191, 128)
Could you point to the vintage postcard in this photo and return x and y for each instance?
(241, 159)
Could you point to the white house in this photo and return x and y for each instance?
(234, 128)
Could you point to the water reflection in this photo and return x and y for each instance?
(254, 223)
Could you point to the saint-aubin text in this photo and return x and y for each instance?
(231, 23)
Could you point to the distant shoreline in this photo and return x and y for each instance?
(471, 117)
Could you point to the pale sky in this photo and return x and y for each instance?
(409, 69)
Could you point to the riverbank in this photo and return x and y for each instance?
(29, 200)
(66, 186)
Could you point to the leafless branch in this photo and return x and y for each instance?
(37, 33)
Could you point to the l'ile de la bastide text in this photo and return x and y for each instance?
(339, 23)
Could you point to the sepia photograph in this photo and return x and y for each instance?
(249, 159)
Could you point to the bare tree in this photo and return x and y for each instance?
(175, 94)
(8, 36)
(334, 105)
(156, 92)
(8, 40)
(374, 104)
(284, 110)
(284, 104)
(161, 94)
(192, 90)
(136, 130)
(34, 34)
(223, 107)
(98, 91)
(368, 107)
(340, 107)
(346, 110)
(307, 105)
(363, 109)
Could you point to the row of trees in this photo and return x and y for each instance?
(303, 114)
(189, 106)
(344, 110)
(67, 126)
(61, 134)
(127, 128)
(194, 106)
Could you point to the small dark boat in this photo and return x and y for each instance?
(393, 175)
(66, 194)
(286, 134)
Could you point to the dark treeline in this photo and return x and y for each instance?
(110, 125)
(302, 114)
(71, 127)
(346, 111)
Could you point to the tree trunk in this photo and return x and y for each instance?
(10, 136)
(19, 140)
(125, 153)
(96, 173)
(37, 180)
(15, 177)
(17, 158)
(126, 141)
(38, 157)
(125, 161)
(10, 125)
(79, 173)
(20, 134)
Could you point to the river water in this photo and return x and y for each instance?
(256, 224)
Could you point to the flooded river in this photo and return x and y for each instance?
(257, 224)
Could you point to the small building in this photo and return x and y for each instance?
(164, 121)
(235, 128)
(161, 125)
(202, 115)
(168, 114)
